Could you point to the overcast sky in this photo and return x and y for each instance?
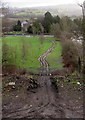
(33, 3)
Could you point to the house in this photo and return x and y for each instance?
(25, 24)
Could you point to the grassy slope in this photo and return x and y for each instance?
(24, 52)
(35, 12)
(55, 59)
(22, 13)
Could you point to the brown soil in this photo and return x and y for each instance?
(9, 69)
(43, 102)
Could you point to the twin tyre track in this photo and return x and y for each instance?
(42, 58)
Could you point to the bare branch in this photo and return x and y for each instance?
(81, 5)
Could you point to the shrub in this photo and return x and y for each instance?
(56, 30)
(30, 29)
(71, 54)
(17, 27)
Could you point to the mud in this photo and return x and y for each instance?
(42, 102)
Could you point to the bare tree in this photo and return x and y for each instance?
(83, 29)
(83, 10)
(6, 22)
(4, 8)
(83, 26)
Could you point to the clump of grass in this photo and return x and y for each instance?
(30, 76)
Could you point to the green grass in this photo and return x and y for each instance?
(35, 12)
(55, 59)
(22, 13)
(23, 52)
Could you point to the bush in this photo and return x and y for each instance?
(37, 28)
(30, 29)
(71, 54)
(17, 27)
(56, 30)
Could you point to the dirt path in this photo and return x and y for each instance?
(44, 102)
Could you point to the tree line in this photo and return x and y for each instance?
(63, 29)
(53, 25)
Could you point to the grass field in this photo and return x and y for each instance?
(55, 59)
(24, 51)
(32, 12)
(22, 13)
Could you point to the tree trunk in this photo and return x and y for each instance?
(83, 38)
(83, 10)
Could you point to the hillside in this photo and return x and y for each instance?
(71, 10)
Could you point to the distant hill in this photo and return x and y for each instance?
(62, 10)
(71, 10)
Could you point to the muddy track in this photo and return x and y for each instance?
(42, 58)
(45, 103)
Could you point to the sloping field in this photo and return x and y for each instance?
(23, 52)
(55, 59)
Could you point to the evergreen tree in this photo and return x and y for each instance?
(37, 27)
(48, 20)
(19, 22)
(56, 19)
(17, 27)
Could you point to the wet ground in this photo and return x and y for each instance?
(45, 101)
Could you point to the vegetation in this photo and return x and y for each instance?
(72, 54)
(37, 27)
(66, 30)
(48, 20)
(83, 39)
(15, 33)
(30, 29)
(38, 66)
(24, 52)
(47, 24)
(55, 59)
(63, 29)
(17, 27)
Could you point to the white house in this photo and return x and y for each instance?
(24, 25)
